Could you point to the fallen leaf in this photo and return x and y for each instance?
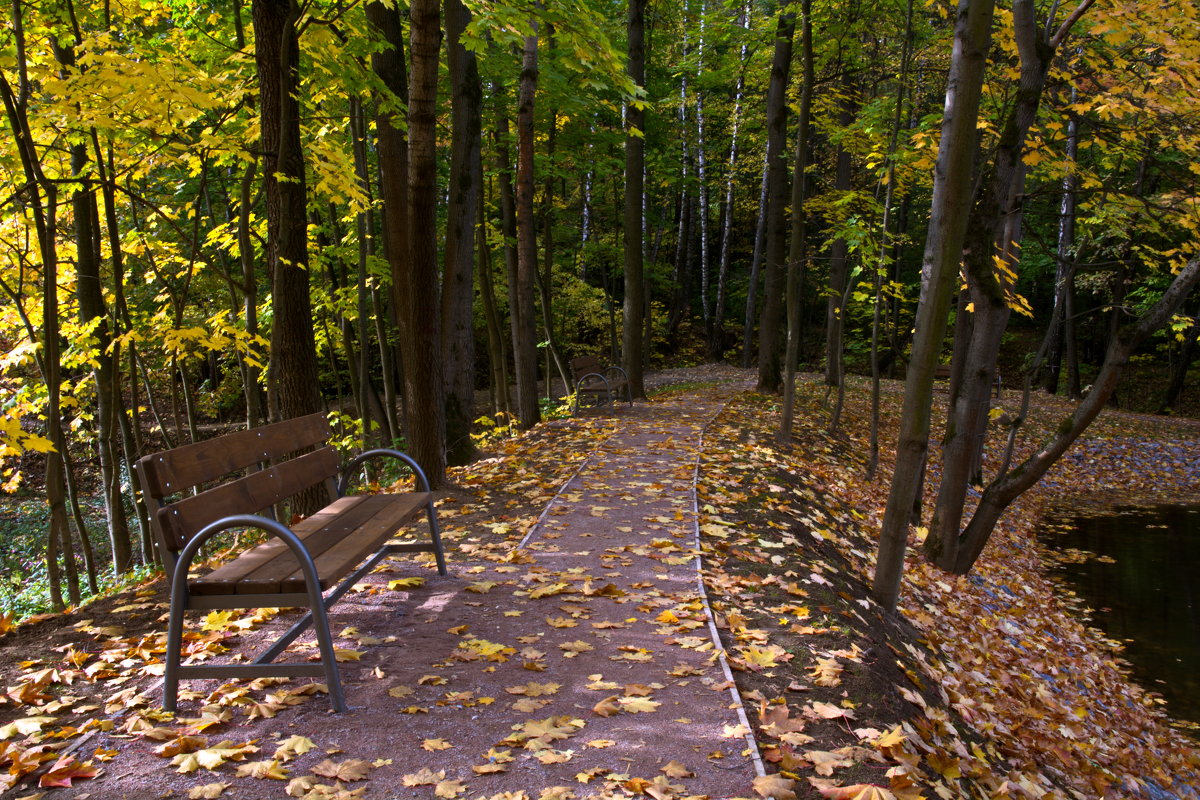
(775, 787)
(208, 791)
(354, 769)
(65, 770)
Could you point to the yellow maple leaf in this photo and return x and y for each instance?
(406, 583)
(293, 746)
(636, 705)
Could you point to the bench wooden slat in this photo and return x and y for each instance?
(248, 495)
(338, 538)
(387, 514)
(190, 465)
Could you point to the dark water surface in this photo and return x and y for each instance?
(1139, 569)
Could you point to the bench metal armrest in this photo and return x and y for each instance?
(269, 526)
(382, 452)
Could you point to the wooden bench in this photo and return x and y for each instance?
(598, 384)
(309, 564)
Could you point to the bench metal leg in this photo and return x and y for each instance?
(435, 534)
(174, 652)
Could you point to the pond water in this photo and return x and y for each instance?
(1138, 570)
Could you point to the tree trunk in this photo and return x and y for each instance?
(1187, 352)
(522, 298)
(293, 364)
(777, 197)
(632, 355)
(717, 343)
(992, 255)
(949, 212)
(497, 352)
(798, 248)
(760, 233)
(466, 175)
(1064, 274)
(423, 376)
(835, 314)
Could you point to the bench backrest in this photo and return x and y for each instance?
(171, 473)
(585, 365)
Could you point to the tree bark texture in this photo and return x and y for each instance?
(522, 292)
(421, 346)
(466, 175)
(293, 363)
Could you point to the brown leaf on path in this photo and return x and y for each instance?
(858, 791)
(208, 791)
(293, 746)
(354, 769)
(423, 777)
(433, 745)
(449, 789)
(825, 762)
(674, 769)
(65, 770)
(181, 744)
(775, 787)
(272, 769)
(607, 707)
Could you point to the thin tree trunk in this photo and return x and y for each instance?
(949, 211)
(884, 237)
(716, 340)
(776, 235)
(293, 365)
(633, 356)
(1064, 260)
(760, 232)
(835, 313)
(521, 298)
(798, 247)
(466, 175)
(497, 352)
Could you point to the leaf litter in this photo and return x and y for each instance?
(985, 687)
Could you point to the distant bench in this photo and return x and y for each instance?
(297, 564)
(597, 383)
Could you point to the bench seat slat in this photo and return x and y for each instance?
(339, 537)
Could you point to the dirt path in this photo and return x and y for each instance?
(583, 663)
